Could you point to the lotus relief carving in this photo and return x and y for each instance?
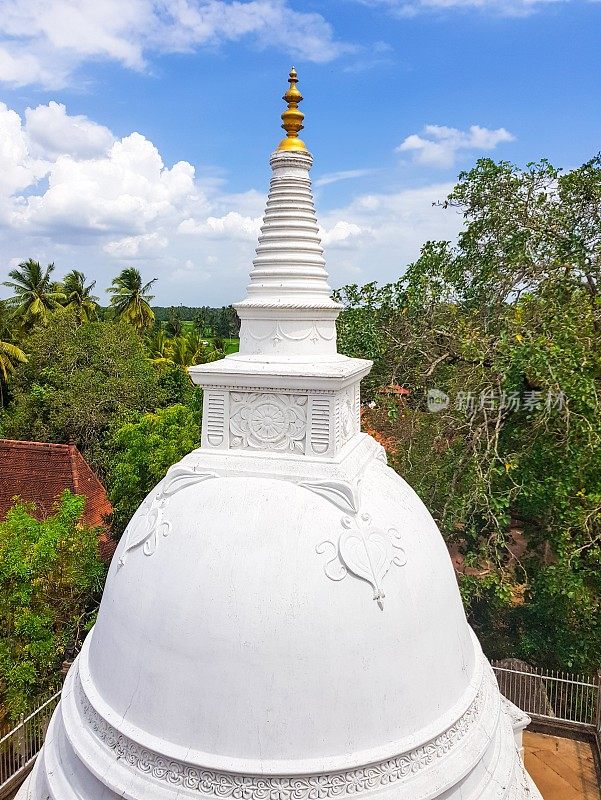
(268, 421)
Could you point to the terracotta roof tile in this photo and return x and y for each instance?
(39, 472)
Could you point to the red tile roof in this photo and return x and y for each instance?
(39, 472)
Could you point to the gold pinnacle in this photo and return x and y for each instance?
(292, 118)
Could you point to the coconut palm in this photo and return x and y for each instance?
(182, 353)
(79, 297)
(159, 347)
(130, 300)
(35, 295)
(175, 324)
(10, 353)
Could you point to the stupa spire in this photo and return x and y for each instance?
(287, 390)
(292, 118)
(288, 309)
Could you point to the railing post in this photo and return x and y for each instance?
(22, 741)
(598, 705)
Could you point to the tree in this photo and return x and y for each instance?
(227, 323)
(10, 354)
(201, 321)
(504, 328)
(79, 297)
(35, 296)
(130, 299)
(80, 381)
(159, 348)
(175, 324)
(51, 577)
(143, 451)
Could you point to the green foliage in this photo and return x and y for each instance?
(79, 382)
(512, 311)
(130, 299)
(79, 297)
(175, 323)
(50, 580)
(143, 451)
(11, 355)
(209, 322)
(35, 296)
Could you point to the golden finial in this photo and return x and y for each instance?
(292, 117)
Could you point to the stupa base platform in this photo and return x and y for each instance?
(474, 758)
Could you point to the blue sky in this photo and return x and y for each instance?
(138, 132)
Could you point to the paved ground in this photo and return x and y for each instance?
(561, 768)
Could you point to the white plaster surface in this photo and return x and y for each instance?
(281, 620)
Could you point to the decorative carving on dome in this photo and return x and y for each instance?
(261, 421)
(340, 493)
(366, 551)
(345, 783)
(148, 523)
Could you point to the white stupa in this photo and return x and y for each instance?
(281, 620)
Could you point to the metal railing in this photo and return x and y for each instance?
(552, 695)
(20, 746)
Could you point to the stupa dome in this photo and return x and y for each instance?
(281, 620)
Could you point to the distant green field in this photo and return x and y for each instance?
(232, 346)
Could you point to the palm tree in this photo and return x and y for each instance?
(175, 324)
(130, 300)
(201, 350)
(159, 348)
(35, 295)
(10, 354)
(79, 297)
(182, 353)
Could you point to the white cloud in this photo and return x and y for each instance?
(393, 227)
(231, 225)
(439, 145)
(101, 212)
(343, 175)
(44, 41)
(506, 8)
(120, 192)
(53, 132)
(341, 234)
(136, 246)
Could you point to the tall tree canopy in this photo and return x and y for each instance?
(79, 382)
(35, 296)
(501, 333)
(79, 297)
(130, 299)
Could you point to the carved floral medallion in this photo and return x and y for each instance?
(262, 421)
